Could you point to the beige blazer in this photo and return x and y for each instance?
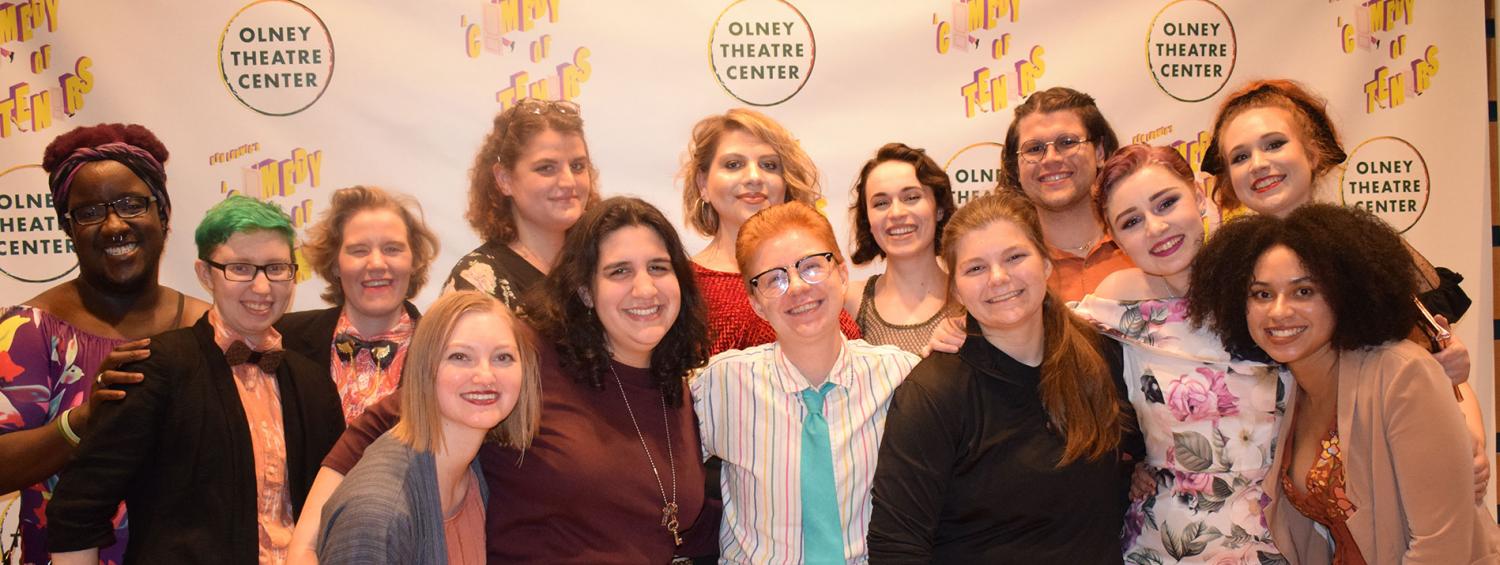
(1408, 468)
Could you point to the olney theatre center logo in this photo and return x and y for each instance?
(1191, 49)
(33, 247)
(975, 170)
(762, 51)
(276, 57)
(1388, 177)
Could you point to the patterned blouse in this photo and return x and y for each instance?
(494, 268)
(367, 369)
(47, 366)
(1324, 499)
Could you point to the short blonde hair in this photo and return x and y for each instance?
(326, 238)
(798, 171)
(421, 423)
(777, 220)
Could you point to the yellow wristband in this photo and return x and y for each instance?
(67, 430)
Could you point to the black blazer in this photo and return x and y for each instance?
(177, 450)
(310, 332)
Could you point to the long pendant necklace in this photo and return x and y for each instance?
(669, 507)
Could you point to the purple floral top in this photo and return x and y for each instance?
(47, 366)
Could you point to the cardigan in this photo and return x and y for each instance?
(968, 469)
(177, 450)
(1407, 467)
(388, 510)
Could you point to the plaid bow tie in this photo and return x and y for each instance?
(239, 354)
(383, 351)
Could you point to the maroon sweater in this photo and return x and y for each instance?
(583, 492)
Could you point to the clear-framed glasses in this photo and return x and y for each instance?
(1032, 152)
(813, 269)
(124, 207)
(539, 107)
(245, 272)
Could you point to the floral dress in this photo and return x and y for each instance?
(1210, 428)
(47, 366)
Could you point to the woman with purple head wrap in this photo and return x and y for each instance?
(58, 349)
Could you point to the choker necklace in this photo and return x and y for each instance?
(668, 507)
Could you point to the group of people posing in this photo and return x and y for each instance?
(1078, 367)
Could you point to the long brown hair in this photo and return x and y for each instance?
(1077, 388)
(489, 209)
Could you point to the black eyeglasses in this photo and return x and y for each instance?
(1032, 152)
(774, 282)
(245, 272)
(539, 107)
(124, 207)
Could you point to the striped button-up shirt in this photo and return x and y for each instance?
(750, 414)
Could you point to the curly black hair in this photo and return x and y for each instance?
(929, 173)
(559, 313)
(1359, 264)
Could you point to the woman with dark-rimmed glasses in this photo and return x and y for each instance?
(109, 189)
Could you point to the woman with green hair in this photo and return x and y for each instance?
(214, 450)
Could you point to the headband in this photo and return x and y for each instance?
(138, 160)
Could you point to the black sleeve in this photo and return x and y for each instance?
(121, 440)
(1448, 299)
(923, 432)
(1132, 442)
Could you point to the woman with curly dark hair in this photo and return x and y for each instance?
(900, 204)
(1371, 447)
(1273, 145)
(530, 182)
(623, 325)
(109, 189)
(626, 324)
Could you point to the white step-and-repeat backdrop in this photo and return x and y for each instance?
(288, 100)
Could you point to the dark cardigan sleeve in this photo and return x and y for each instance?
(923, 434)
(120, 440)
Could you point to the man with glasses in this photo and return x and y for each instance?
(797, 421)
(214, 450)
(1054, 148)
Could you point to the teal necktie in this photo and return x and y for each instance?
(822, 532)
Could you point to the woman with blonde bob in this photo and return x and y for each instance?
(739, 163)
(471, 374)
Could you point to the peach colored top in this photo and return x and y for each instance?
(1324, 499)
(464, 530)
(261, 399)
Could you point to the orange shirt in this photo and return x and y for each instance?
(262, 402)
(1074, 277)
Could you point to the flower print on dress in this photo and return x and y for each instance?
(1195, 399)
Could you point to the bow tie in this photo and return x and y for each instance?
(383, 351)
(240, 354)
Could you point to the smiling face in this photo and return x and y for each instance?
(1000, 277)
(550, 182)
(903, 213)
(479, 375)
(744, 177)
(635, 292)
(1057, 183)
(251, 307)
(121, 254)
(1288, 316)
(1156, 217)
(374, 264)
(1268, 161)
(805, 312)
